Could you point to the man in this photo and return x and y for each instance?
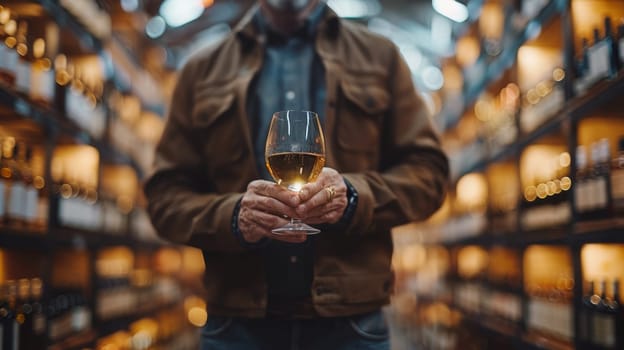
(210, 187)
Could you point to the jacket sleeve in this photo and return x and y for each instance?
(411, 181)
(182, 207)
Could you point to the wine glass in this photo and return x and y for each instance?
(295, 155)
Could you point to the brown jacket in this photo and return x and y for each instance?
(378, 135)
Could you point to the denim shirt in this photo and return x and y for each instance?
(291, 77)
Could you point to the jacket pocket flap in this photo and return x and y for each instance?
(352, 289)
(369, 97)
(361, 289)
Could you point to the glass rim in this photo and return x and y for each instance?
(298, 111)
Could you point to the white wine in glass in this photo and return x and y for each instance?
(295, 156)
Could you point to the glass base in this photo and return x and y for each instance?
(295, 227)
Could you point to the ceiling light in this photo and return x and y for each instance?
(452, 9)
(155, 27)
(130, 5)
(432, 78)
(180, 12)
(355, 8)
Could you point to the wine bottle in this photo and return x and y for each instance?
(599, 58)
(620, 33)
(5, 317)
(612, 43)
(24, 312)
(602, 180)
(10, 326)
(615, 309)
(23, 69)
(8, 61)
(63, 72)
(582, 62)
(603, 321)
(17, 188)
(38, 337)
(29, 205)
(581, 193)
(4, 182)
(586, 313)
(617, 180)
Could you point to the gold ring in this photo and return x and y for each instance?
(331, 192)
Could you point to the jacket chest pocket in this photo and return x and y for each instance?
(359, 122)
(219, 132)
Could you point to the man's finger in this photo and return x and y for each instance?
(273, 190)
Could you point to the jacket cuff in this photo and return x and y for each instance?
(239, 235)
(360, 219)
(352, 202)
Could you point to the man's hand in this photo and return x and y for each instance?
(324, 200)
(266, 206)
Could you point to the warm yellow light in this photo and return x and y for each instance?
(38, 48)
(543, 88)
(535, 64)
(566, 183)
(413, 257)
(546, 264)
(91, 68)
(564, 160)
(120, 180)
(471, 261)
(197, 316)
(491, 20)
(530, 193)
(558, 74)
(194, 301)
(503, 186)
(5, 15)
(65, 158)
(542, 191)
(472, 192)
(149, 127)
(168, 260)
(60, 62)
(193, 261)
(10, 28)
(115, 262)
(540, 163)
(552, 188)
(468, 50)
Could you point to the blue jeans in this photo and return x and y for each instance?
(362, 332)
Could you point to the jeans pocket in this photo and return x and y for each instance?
(370, 326)
(216, 325)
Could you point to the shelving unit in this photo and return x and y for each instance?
(472, 218)
(84, 263)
